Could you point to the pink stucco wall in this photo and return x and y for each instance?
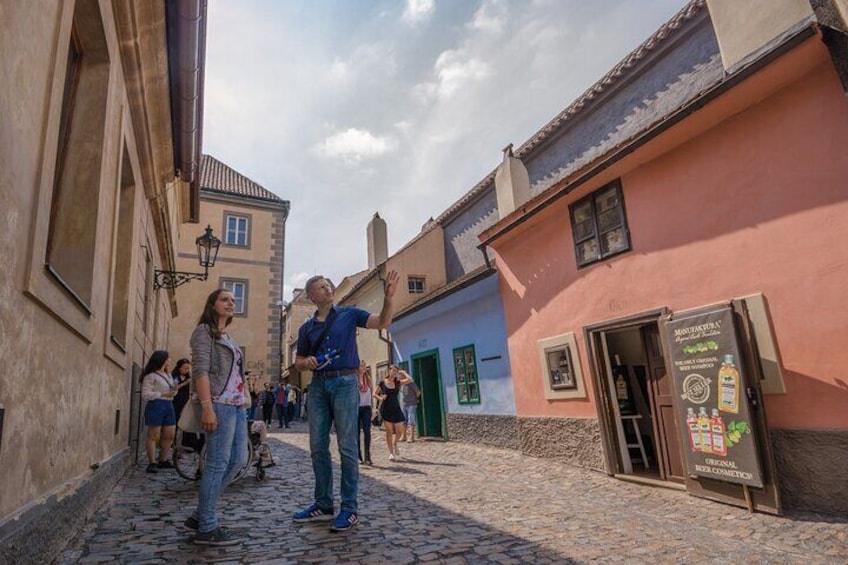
(757, 203)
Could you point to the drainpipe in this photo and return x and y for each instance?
(186, 22)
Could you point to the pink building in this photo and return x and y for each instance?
(675, 285)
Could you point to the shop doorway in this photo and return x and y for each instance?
(431, 413)
(636, 401)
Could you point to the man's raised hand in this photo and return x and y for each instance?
(392, 279)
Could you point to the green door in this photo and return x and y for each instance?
(431, 413)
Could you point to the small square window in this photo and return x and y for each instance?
(467, 385)
(561, 368)
(416, 285)
(599, 225)
(236, 230)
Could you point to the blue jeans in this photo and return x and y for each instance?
(334, 399)
(226, 453)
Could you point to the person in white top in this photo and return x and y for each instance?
(158, 389)
(365, 400)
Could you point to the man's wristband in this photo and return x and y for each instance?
(208, 401)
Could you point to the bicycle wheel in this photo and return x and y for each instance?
(189, 452)
(250, 456)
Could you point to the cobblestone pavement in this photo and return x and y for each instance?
(450, 503)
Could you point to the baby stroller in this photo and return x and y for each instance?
(262, 453)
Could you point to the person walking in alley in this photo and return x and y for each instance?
(410, 396)
(182, 379)
(280, 401)
(388, 393)
(267, 400)
(158, 389)
(365, 401)
(218, 384)
(326, 345)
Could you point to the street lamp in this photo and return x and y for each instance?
(207, 253)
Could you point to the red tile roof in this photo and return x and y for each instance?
(215, 176)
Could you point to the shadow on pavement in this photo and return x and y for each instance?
(142, 522)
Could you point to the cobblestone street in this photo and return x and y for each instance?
(449, 503)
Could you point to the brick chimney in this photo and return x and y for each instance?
(378, 241)
(512, 183)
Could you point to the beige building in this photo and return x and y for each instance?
(251, 224)
(101, 115)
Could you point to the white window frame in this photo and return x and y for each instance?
(231, 235)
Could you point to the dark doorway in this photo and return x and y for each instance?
(640, 403)
(431, 413)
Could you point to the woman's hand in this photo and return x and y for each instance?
(208, 419)
(169, 395)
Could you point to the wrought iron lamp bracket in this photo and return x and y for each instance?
(173, 279)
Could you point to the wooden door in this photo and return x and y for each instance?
(669, 456)
(430, 411)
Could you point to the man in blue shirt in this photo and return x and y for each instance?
(326, 345)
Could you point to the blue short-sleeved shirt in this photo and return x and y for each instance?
(342, 336)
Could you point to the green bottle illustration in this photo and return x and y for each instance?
(728, 386)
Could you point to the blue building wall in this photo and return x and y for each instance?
(471, 316)
(461, 231)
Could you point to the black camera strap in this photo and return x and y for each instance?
(328, 323)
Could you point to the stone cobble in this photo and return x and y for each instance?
(449, 503)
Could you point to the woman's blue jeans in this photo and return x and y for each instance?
(226, 453)
(334, 399)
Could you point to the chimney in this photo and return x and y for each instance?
(512, 183)
(746, 29)
(378, 241)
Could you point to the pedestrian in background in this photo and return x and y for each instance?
(410, 396)
(291, 397)
(267, 400)
(280, 401)
(218, 383)
(158, 389)
(333, 394)
(388, 393)
(365, 401)
(182, 378)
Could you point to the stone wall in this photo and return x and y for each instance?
(575, 441)
(42, 531)
(485, 429)
(811, 468)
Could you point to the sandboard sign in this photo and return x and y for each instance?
(710, 398)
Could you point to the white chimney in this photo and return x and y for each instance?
(378, 241)
(512, 183)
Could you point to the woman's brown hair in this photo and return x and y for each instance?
(209, 318)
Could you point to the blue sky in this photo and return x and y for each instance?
(346, 108)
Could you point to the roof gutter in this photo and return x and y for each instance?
(186, 22)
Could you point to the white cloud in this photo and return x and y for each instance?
(455, 71)
(354, 145)
(418, 11)
(490, 16)
(340, 71)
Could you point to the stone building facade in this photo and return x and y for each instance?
(98, 177)
(250, 221)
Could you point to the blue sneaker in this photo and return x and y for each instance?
(313, 514)
(344, 521)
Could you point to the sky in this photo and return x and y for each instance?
(350, 107)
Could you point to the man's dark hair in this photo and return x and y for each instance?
(311, 281)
